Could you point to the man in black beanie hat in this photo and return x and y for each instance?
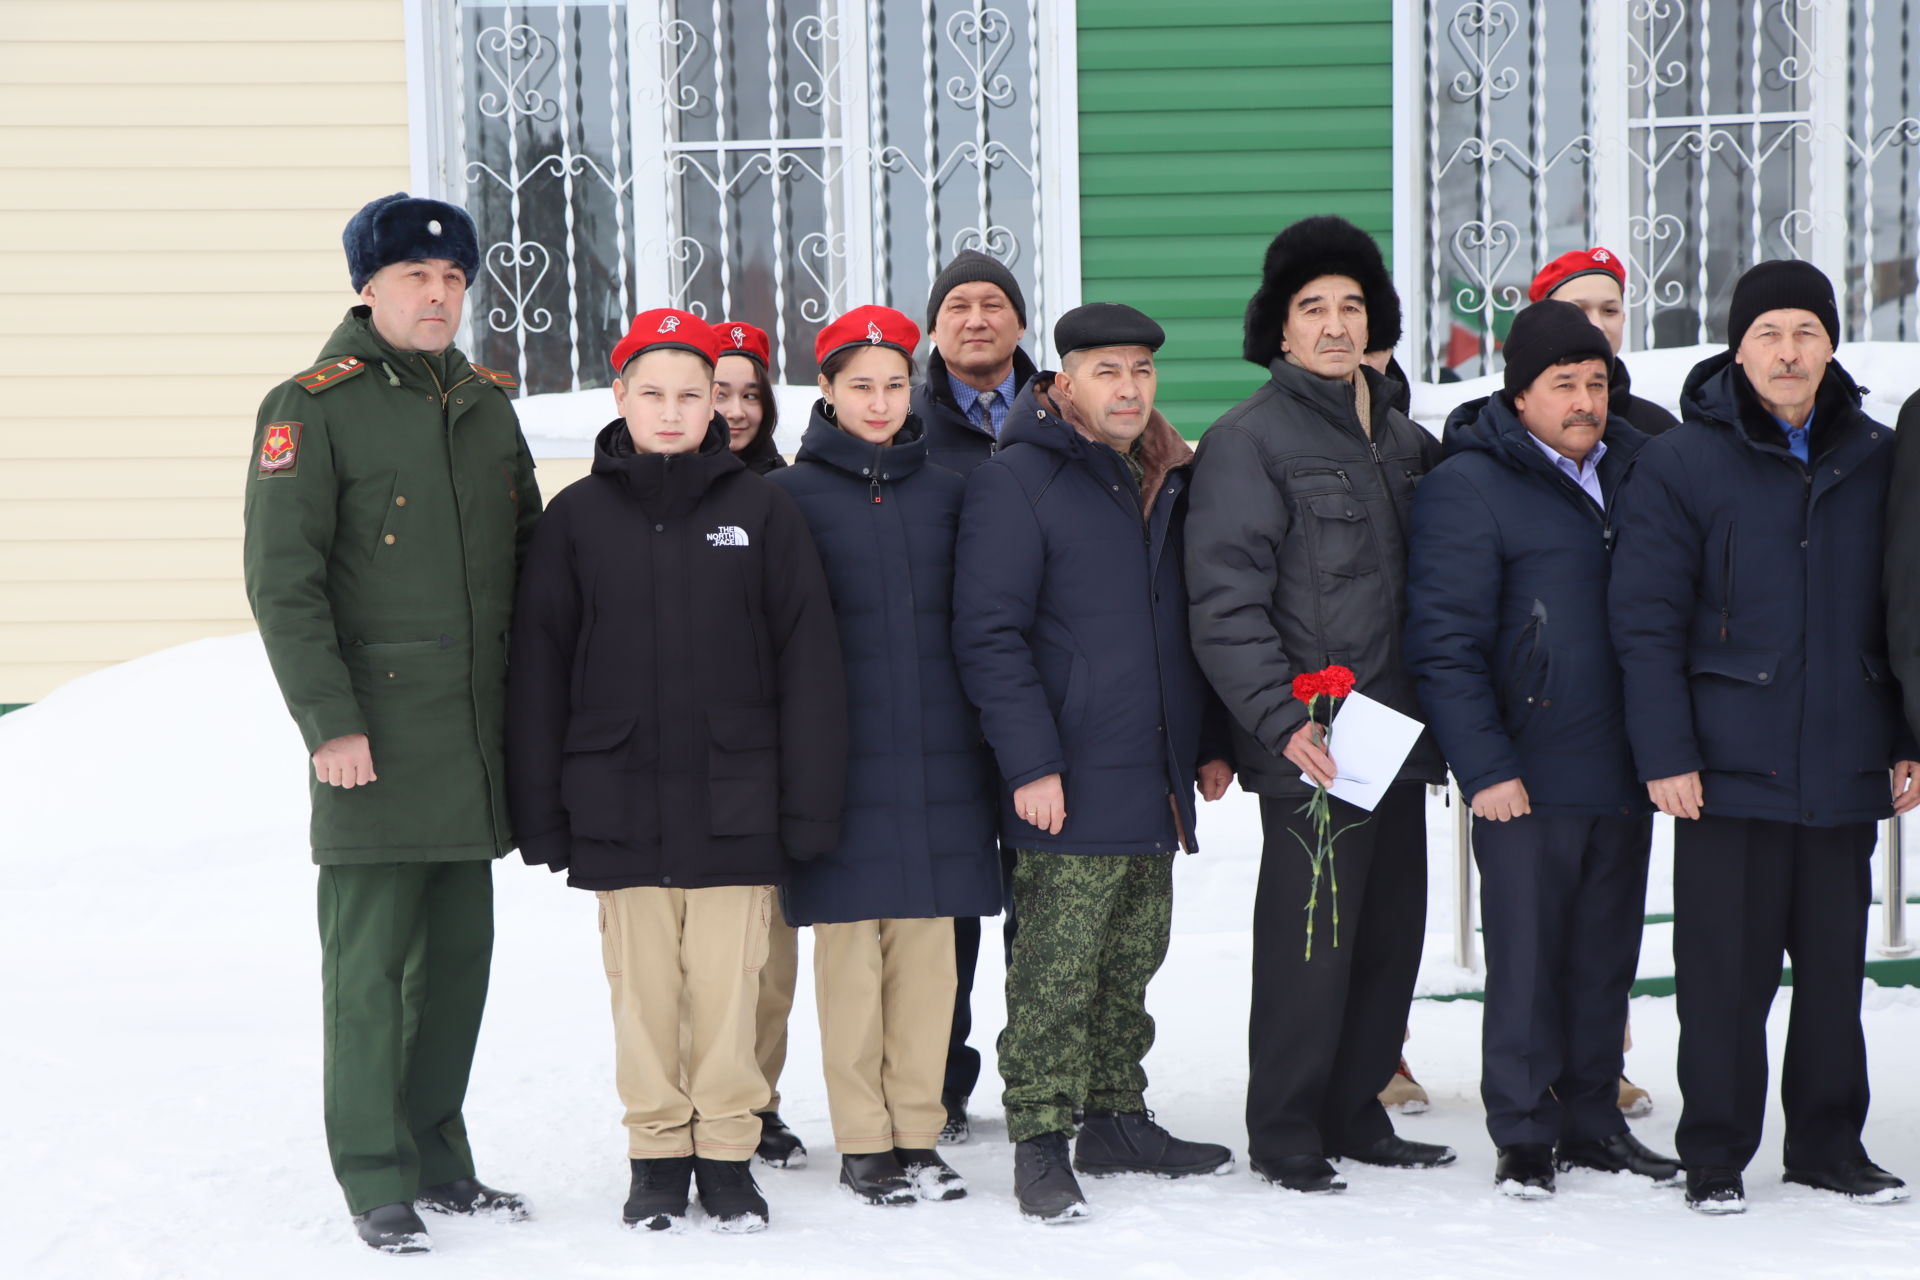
(387, 506)
(1296, 560)
(976, 319)
(1746, 610)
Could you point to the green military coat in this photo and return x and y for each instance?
(389, 497)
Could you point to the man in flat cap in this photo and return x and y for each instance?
(389, 498)
(976, 318)
(1764, 717)
(1296, 561)
(1070, 632)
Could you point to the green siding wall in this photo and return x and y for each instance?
(1205, 127)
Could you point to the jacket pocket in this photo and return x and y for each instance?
(598, 785)
(1734, 712)
(1525, 689)
(1883, 711)
(1340, 536)
(759, 929)
(743, 770)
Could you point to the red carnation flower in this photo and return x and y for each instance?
(1309, 685)
(1337, 682)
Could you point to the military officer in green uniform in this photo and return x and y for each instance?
(389, 496)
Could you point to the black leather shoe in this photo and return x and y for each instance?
(877, 1178)
(1524, 1170)
(1308, 1174)
(393, 1228)
(657, 1200)
(729, 1194)
(932, 1177)
(1113, 1142)
(473, 1198)
(958, 1128)
(1043, 1181)
(1621, 1153)
(1859, 1180)
(1396, 1152)
(1716, 1191)
(780, 1147)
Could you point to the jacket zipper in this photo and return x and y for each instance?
(1345, 482)
(1726, 579)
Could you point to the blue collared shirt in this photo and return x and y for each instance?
(1585, 473)
(966, 396)
(1797, 436)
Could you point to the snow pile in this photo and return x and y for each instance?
(162, 1059)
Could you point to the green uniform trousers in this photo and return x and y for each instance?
(404, 950)
(1093, 931)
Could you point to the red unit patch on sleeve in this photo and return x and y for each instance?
(279, 448)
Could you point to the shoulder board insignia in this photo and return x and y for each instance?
(504, 381)
(319, 379)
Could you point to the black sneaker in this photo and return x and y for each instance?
(1524, 1170)
(932, 1177)
(877, 1178)
(473, 1198)
(1859, 1180)
(657, 1199)
(730, 1196)
(780, 1147)
(1043, 1181)
(958, 1128)
(1621, 1153)
(1113, 1142)
(393, 1228)
(1308, 1174)
(1716, 1191)
(1396, 1152)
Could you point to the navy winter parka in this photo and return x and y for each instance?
(1747, 610)
(1070, 627)
(953, 441)
(917, 831)
(1507, 616)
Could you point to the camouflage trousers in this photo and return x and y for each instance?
(1093, 931)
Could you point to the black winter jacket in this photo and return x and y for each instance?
(1903, 560)
(953, 441)
(917, 834)
(1297, 559)
(1746, 606)
(1071, 634)
(676, 708)
(1507, 617)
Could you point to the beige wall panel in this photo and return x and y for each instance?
(191, 106)
(100, 642)
(145, 314)
(94, 396)
(146, 559)
(66, 148)
(58, 603)
(118, 62)
(197, 21)
(109, 479)
(170, 354)
(555, 474)
(186, 272)
(156, 231)
(88, 440)
(268, 188)
(40, 519)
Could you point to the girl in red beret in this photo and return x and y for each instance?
(743, 395)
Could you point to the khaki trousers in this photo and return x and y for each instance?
(775, 1003)
(885, 992)
(701, 949)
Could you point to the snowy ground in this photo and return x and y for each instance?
(161, 1053)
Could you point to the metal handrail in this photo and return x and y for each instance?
(1893, 897)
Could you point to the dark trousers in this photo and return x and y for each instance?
(1562, 900)
(404, 952)
(963, 1060)
(1744, 891)
(1324, 1034)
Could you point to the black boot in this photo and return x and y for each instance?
(1113, 1142)
(877, 1178)
(1716, 1191)
(1043, 1181)
(730, 1196)
(780, 1147)
(1309, 1174)
(1396, 1152)
(474, 1198)
(1621, 1153)
(657, 1199)
(1524, 1170)
(932, 1177)
(393, 1228)
(958, 1128)
(1859, 1180)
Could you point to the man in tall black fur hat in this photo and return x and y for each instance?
(1296, 560)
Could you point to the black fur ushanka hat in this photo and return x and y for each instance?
(1324, 245)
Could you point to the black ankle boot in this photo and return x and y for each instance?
(877, 1178)
(1113, 1142)
(730, 1196)
(1043, 1180)
(657, 1199)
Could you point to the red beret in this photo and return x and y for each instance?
(738, 338)
(1580, 262)
(669, 328)
(868, 326)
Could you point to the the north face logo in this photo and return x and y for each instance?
(669, 324)
(739, 336)
(727, 535)
(873, 332)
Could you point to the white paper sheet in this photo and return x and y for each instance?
(1369, 742)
